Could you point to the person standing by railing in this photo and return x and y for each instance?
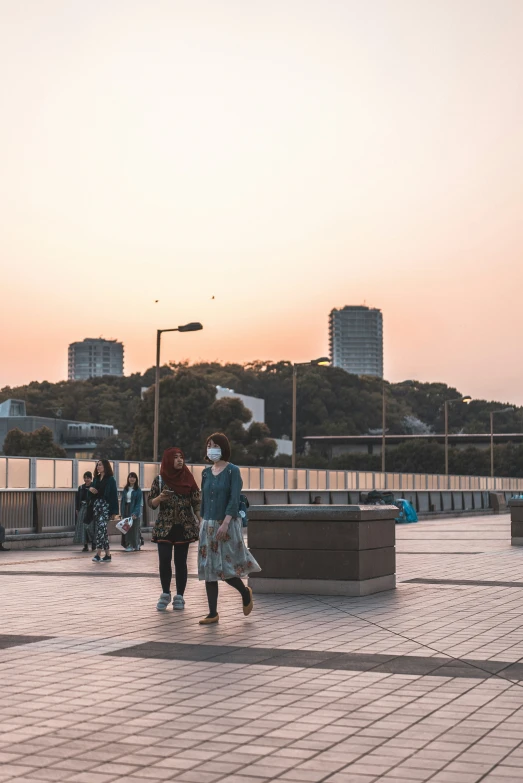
(84, 529)
(131, 506)
(2, 540)
(176, 493)
(222, 554)
(105, 506)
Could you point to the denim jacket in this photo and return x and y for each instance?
(136, 503)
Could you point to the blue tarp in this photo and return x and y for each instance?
(407, 511)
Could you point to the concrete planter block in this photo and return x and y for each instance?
(324, 550)
(516, 522)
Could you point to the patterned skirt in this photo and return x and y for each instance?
(223, 559)
(100, 521)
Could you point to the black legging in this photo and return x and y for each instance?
(212, 593)
(165, 558)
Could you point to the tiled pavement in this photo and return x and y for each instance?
(414, 685)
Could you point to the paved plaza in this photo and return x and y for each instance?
(422, 683)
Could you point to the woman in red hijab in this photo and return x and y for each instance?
(177, 525)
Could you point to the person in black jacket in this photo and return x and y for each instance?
(105, 506)
(84, 529)
(2, 539)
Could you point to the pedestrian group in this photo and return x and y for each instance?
(210, 517)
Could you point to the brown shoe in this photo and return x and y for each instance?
(209, 620)
(248, 609)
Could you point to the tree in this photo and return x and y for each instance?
(185, 399)
(330, 402)
(112, 447)
(32, 444)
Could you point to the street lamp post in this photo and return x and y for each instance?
(383, 427)
(192, 327)
(466, 400)
(501, 410)
(315, 363)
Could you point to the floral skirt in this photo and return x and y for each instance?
(100, 519)
(223, 559)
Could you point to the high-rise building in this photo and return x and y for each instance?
(95, 357)
(356, 339)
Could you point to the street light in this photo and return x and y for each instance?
(501, 410)
(466, 400)
(192, 327)
(383, 425)
(323, 360)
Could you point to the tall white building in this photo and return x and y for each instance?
(356, 339)
(95, 357)
(257, 407)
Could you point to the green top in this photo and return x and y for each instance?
(107, 491)
(221, 493)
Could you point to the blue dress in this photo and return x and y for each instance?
(221, 498)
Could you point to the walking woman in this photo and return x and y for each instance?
(177, 526)
(131, 506)
(222, 553)
(84, 529)
(105, 507)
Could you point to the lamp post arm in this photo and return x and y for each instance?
(294, 404)
(446, 438)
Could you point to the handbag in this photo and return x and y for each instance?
(88, 515)
(124, 525)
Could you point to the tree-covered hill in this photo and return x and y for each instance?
(330, 401)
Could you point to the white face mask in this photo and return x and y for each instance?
(214, 454)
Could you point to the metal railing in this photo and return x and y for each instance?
(43, 473)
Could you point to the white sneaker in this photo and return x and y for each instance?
(163, 602)
(129, 549)
(178, 602)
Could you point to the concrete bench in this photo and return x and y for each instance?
(323, 550)
(516, 522)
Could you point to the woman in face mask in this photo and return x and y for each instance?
(222, 552)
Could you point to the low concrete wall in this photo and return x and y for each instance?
(323, 550)
(425, 502)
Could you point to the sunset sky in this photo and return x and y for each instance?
(285, 157)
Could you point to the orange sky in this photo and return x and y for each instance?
(284, 156)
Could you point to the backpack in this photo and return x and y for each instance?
(244, 512)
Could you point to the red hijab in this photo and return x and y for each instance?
(179, 480)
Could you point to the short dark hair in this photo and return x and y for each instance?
(222, 441)
(108, 471)
(88, 474)
(137, 485)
